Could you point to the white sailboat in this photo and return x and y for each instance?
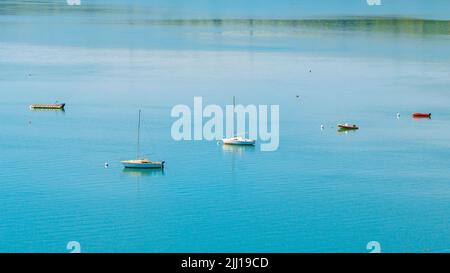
(141, 163)
(238, 140)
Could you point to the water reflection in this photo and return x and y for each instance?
(412, 26)
(53, 8)
(346, 131)
(139, 14)
(143, 172)
(237, 149)
(63, 111)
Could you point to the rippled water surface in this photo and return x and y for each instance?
(321, 191)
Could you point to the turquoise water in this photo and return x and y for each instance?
(321, 191)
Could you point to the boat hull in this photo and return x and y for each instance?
(143, 165)
(48, 106)
(344, 127)
(237, 142)
(421, 115)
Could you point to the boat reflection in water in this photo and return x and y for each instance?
(346, 131)
(143, 172)
(238, 149)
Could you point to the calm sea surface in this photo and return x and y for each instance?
(321, 191)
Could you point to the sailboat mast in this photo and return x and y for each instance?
(139, 134)
(234, 113)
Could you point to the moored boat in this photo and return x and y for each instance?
(238, 141)
(141, 163)
(347, 126)
(421, 115)
(55, 106)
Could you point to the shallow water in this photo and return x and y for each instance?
(321, 191)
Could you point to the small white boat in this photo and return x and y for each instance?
(238, 141)
(142, 163)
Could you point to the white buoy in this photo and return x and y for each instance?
(322, 127)
(106, 165)
(398, 115)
